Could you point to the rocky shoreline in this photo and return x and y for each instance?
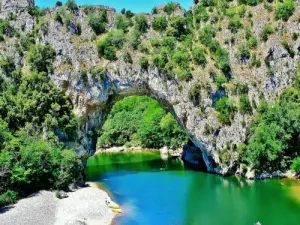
(84, 206)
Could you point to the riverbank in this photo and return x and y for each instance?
(85, 206)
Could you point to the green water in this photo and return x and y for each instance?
(152, 191)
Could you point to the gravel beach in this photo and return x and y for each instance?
(85, 206)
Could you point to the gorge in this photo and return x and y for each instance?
(228, 71)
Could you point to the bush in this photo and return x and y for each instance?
(41, 57)
(160, 24)
(141, 23)
(5, 28)
(245, 105)
(199, 56)
(135, 38)
(195, 94)
(296, 165)
(122, 23)
(178, 25)
(170, 8)
(235, 24)
(71, 4)
(128, 58)
(226, 108)
(96, 23)
(285, 9)
(183, 74)
(267, 30)
(243, 53)
(220, 80)
(8, 198)
(144, 62)
(7, 65)
(98, 73)
(290, 50)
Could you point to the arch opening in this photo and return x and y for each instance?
(141, 121)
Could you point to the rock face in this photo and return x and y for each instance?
(93, 99)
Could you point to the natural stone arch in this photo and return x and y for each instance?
(150, 83)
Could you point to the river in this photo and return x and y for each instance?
(153, 191)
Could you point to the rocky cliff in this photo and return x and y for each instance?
(266, 71)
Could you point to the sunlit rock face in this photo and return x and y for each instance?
(92, 99)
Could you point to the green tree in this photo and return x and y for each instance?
(160, 23)
(285, 9)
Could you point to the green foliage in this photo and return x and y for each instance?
(177, 26)
(140, 121)
(296, 165)
(41, 57)
(141, 23)
(7, 198)
(98, 21)
(199, 56)
(170, 8)
(267, 30)
(123, 23)
(107, 47)
(226, 108)
(289, 48)
(195, 94)
(285, 9)
(245, 105)
(235, 24)
(98, 73)
(7, 65)
(5, 28)
(71, 5)
(144, 62)
(201, 14)
(127, 58)
(220, 81)
(160, 24)
(243, 54)
(274, 137)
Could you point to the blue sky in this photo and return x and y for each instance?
(133, 5)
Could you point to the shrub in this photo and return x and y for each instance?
(71, 4)
(116, 38)
(7, 65)
(9, 197)
(243, 53)
(245, 105)
(170, 8)
(128, 58)
(290, 50)
(201, 14)
(296, 165)
(144, 62)
(267, 30)
(226, 108)
(181, 58)
(41, 57)
(285, 9)
(98, 73)
(220, 80)
(183, 74)
(199, 56)
(195, 94)
(98, 21)
(252, 42)
(160, 24)
(122, 23)
(141, 23)
(234, 24)
(58, 4)
(135, 38)
(169, 43)
(5, 28)
(178, 24)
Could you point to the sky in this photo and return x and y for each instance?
(133, 5)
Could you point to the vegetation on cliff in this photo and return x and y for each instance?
(140, 121)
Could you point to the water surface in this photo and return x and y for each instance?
(153, 191)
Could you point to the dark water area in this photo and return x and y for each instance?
(153, 191)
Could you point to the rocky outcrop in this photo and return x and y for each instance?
(92, 100)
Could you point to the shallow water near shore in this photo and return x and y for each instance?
(155, 191)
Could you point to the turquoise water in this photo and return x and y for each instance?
(153, 191)
(133, 5)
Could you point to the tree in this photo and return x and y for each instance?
(144, 62)
(245, 105)
(160, 24)
(285, 9)
(226, 108)
(199, 56)
(170, 8)
(141, 23)
(71, 4)
(96, 24)
(41, 57)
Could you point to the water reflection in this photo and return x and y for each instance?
(155, 191)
